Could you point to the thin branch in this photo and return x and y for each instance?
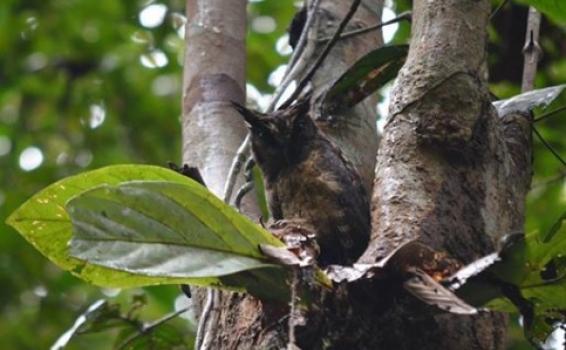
(403, 16)
(242, 192)
(203, 319)
(531, 50)
(316, 64)
(292, 344)
(301, 44)
(301, 54)
(152, 325)
(549, 181)
(211, 323)
(549, 147)
(496, 11)
(549, 114)
(235, 168)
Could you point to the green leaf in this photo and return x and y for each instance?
(44, 222)
(164, 229)
(554, 9)
(364, 77)
(538, 269)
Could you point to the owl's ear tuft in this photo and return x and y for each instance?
(252, 118)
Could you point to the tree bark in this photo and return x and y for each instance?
(355, 132)
(450, 172)
(214, 75)
(245, 322)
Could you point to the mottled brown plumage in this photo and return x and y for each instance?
(307, 177)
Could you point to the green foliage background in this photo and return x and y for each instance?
(64, 63)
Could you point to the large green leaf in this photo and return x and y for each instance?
(44, 222)
(364, 77)
(536, 271)
(554, 9)
(164, 229)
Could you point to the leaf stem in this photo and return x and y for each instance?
(549, 147)
(549, 114)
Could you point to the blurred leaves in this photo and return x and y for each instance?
(530, 277)
(106, 316)
(554, 9)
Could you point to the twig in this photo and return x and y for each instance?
(302, 53)
(549, 114)
(403, 16)
(235, 167)
(531, 50)
(203, 319)
(301, 44)
(316, 64)
(549, 147)
(498, 8)
(242, 191)
(151, 326)
(211, 323)
(292, 345)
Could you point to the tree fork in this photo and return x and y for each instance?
(450, 172)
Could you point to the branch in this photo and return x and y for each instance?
(496, 11)
(235, 168)
(314, 67)
(152, 325)
(549, 147)
(292, 344)
(301, 54)
(549, 114)
(403, 16)
(531, 50)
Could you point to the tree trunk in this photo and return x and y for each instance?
(245, 322)
(214, 75)
(355, 132)
(450, 173)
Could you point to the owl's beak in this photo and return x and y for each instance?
(253, 119)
